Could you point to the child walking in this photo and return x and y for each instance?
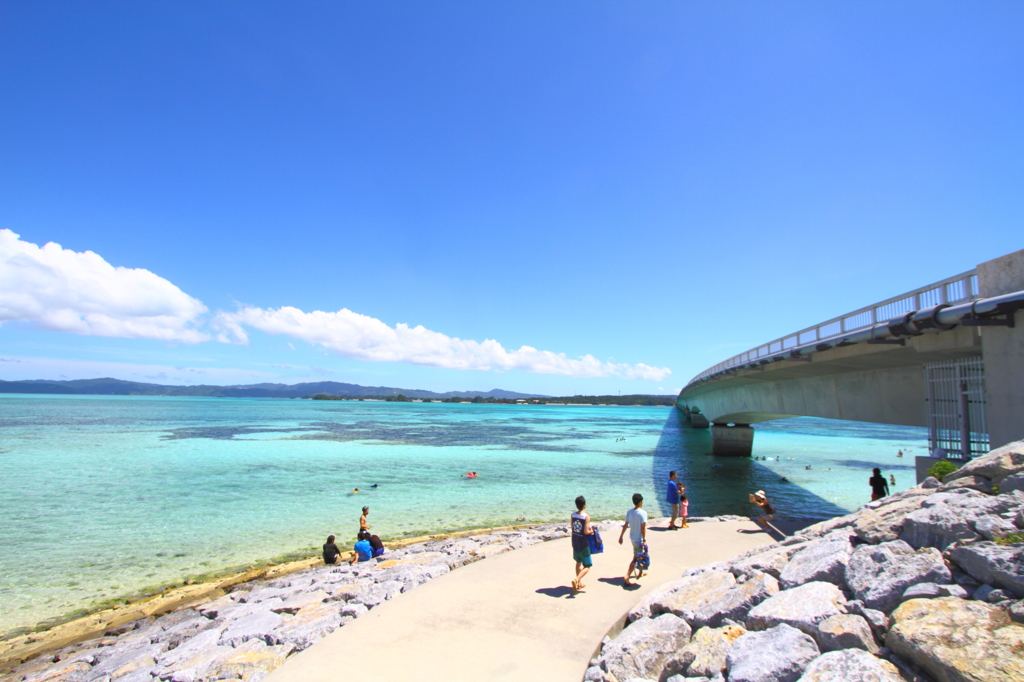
(580, 521)
(636, 521)
(684, 509)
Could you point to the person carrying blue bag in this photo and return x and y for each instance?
(581, 533)
(636, 521)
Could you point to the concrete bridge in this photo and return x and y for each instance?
(947, 356)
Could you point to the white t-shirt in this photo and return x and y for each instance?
(636, 518)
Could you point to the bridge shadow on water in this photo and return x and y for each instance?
(721, 485)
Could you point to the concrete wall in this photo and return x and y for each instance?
(1003, 353)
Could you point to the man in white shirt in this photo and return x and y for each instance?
(636, 521)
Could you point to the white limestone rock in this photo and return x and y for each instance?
(846, 631)
(720, 600)
(771, 560)
(1001, 566)
(800, 607)
(849, 665)
(823, 560)
(948, 517)
(705, 654)
(260, 625)
(882, 520)
(996, 466)
(779, 654)
(308, 625)
(956, 640)
(878, 575)
(642, 648)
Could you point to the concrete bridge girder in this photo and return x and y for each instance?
(880, 380)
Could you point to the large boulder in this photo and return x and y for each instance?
(846, 631)
(823, 560)
(849, 665)
(955, 640)
(254, 626)
(948, 517)
(801, 607)
(770, 560)
(643, 647)
(998, 565)
(721, 598)
(996, 466)
(705, 655)
(308, 625)
(779, 654)
(879, 574)
(252, 663)
(882, 520)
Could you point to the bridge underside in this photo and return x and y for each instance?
(872, 383)
(884, 380)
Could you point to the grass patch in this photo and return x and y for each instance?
(1010, 539)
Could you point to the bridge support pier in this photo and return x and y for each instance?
(732, 441)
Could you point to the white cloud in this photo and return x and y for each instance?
(366, 338)
(54, 288)
(63, 290)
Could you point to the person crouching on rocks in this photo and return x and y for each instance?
(331, 551)
(580, 521)
(767, 510)
(363, 548)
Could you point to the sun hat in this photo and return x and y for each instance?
(760, 493)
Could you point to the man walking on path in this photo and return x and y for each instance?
(672, 497)
(636, 521)
(580, 544)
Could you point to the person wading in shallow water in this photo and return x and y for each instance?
(879, 486)
(363, 523)
(580, 521)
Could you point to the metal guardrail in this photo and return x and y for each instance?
(957, 289)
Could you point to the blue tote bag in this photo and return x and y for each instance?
(595, 542)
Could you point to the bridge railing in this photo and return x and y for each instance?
(956, 289)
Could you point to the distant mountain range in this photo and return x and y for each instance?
(109, 386)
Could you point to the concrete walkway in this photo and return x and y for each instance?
(511, 616)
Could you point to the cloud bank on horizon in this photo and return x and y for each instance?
(62, 290)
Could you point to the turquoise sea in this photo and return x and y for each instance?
(105, 497)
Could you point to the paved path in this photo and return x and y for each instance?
(511, 616)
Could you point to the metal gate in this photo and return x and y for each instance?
(956, 407)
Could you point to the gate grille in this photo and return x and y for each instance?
(956, 407)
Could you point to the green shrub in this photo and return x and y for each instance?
(941, 469)
(1010, 539)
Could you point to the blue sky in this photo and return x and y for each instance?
(649, 187)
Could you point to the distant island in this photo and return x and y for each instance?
(108, 386)
(539, 400)
(318, 390)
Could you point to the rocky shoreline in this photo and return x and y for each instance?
(247, 625)
(926, 585)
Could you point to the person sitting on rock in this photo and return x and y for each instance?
(377, 545)
(363, 548)
(768, 511)
(331, 551)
